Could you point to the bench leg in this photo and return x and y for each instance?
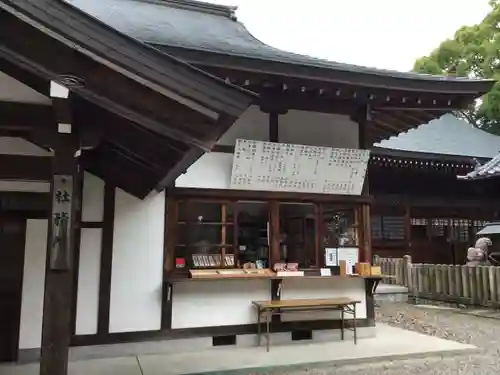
(268, 324)
(342, 326)
(259, 329)
(354, 325)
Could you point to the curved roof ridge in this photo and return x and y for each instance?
(228, 11)
(182, 26)
(355, 67)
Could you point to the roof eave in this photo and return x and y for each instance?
(380, 79)
(92, 35)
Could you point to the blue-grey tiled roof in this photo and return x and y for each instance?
(447, 135)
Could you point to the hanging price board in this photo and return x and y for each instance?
(269, 166)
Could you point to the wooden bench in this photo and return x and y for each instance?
(270, 308)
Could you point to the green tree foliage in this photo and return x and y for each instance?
(473, 52)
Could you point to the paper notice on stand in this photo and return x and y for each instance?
(349, 254)
(331, 257)
(349, 267)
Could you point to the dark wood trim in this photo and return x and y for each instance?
(76, 258)
(27, 168)
(437, 202)
(243, 329)
(58, 288)
(36, 203)
(25, 116)
(380, 151)
(370, 286)
(225, 149)
(274, 127)
(318, 238)
(106, 260)
(407, 216)
(276, 286)
(92, 224)
(364, 77)
(234, 195)
(85, 34)
(169, 243)
(274, 235)
(15, 286)
(398, 154)
(367, 238)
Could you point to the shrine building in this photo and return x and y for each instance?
(157, 163)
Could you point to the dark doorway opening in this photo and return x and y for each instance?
(12, 240)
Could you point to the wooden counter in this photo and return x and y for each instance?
(181, 279)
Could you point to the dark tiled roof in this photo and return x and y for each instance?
(487, 170)
(211, 28)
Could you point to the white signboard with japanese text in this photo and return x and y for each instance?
(268, 166)
(334, 255)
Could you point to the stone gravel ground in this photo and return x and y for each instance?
(479, 331)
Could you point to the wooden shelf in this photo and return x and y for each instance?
(204, 223)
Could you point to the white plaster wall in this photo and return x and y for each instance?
(25, 186)
(15, 91)
(301, 127)
(19, 146)
(336, 287)
(92, 198)
(136, 281)
(30, 335)
(217, 303)
(213, 170)
(87, 302)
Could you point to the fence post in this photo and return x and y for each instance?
(407, 271)
(465, 282)
(497, 280)
(436, 287)
(479, 285)
(471, 273)
(492, 284)
(458, 285)
(451, 280)
(485, 282)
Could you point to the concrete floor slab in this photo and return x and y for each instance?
(106, 366)
(390, 343)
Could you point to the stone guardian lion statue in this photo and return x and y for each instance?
(478, 255)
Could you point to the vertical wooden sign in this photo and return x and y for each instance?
(60, 258)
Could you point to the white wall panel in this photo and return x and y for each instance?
(92, 198)
(137, 273)
(30, 335)
(87, 302)
(217, 303)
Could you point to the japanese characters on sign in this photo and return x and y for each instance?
(60, 258)
(269, 166)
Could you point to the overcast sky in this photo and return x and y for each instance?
(388, 34)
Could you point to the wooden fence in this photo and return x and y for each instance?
(396, 269)
(468, 285)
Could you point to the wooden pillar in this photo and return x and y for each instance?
(272, 105)
(56, 329)
(407, 214)
(362, 116)
(367, 231)
(273, 127)
(274, 232)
